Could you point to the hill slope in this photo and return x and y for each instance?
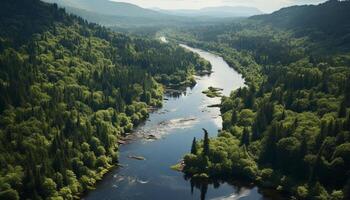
(69, 90)
(331, 17)
(106, 7)
(118, 14)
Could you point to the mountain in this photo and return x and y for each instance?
(106, 7)
(326, 24)
(330, 17)
(111, 13)
(124, 15)
(216, 12)
(120, 21)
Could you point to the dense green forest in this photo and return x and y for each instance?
(69, 90)
(289, 129)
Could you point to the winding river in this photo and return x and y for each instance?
(175, 124)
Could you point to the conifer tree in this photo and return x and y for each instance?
(245, 137)
(206, 141)
(194, 147)
(234, 117)
(342, 109)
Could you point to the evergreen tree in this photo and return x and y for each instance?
(234, 117)
(255, 132)
(68, 92)
(347, 92)
(206, 148)
(194, 146)
(298, 118)
(342, 109)
(283, 116)
(347, 189)
(245, 137)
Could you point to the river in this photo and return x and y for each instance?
(175, 124)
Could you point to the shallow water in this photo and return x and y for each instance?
(175, 124)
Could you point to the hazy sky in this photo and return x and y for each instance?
(263, 5)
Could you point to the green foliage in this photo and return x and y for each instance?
(69, 90)
(9, 194)
(291, 124)
(206, 147)
(49, 187)
(212, 92)
(194, 147)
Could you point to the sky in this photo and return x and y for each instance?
(266, 6)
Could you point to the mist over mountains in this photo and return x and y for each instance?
(106, 7)
(123, 14)
(215, 12)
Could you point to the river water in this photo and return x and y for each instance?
(175, 124)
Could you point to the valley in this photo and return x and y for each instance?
(113, 100)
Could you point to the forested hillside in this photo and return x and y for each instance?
(69, 90)
(290, 128)
(326, 24)
(112, 13)
(125, 16)
(107, 7)
(329, 17)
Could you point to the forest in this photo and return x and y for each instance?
(69, 91)
(289, 129)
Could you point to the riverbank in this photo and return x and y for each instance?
(176, 133)
(247, 170)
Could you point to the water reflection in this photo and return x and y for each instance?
(179, 92)
(239, 191)
(182, 117)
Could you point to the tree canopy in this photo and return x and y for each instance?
(289, 128)
(69, 91)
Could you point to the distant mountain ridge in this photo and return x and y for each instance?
(218, 12)
(115, 14)
(106, 7)
(125, 15)
(329, 17)
(326, 24)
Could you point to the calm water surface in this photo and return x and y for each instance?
(176, 123)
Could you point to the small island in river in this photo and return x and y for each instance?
(213, 92)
